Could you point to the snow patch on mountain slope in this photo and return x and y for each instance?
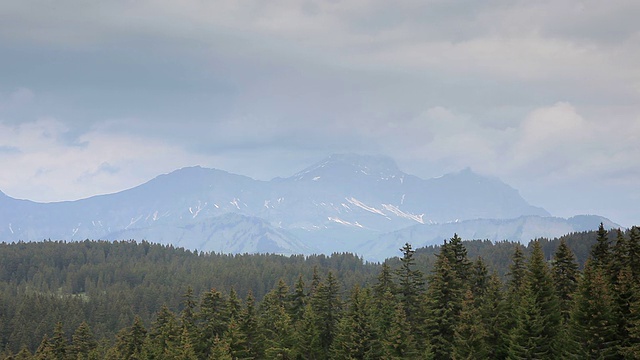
(343, 222)
(196, 210)
(398, 212)
(235, 202)
(133, 221)
(363, 206)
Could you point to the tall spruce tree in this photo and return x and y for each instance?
(478, 280)
(625, 293)
(516, 291)
(250, 328)
(165, 332)
(308, 343)
(326, 306)
(398, 342)
(220, 350)
(356, 336)
(186, 350)
(619, 258)
(234, 304)
(593, 324)
(443, 305)
(494, 314)
(188, 316)
(275, 324)
(631, 350)
(517, 271)
(297, 300)
(471, 334)
(601, 251)
(130, 341)
(455, 250)
(539, 332)
(25, 354)
(237, 340)
(410, 288)
(634, 252)
(384, 282)
(44, 350)
(58, 343)
(82, 342)
(213, 320)
(565, 277)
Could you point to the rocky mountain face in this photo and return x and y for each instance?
(343, 203)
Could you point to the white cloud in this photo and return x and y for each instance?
(550, 145)
(16, 98)
(44, 167)
(318, 77)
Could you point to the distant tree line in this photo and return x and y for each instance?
(124, 300)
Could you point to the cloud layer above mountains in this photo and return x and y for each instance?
(99, 96)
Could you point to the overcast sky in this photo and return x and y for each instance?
(100, 96)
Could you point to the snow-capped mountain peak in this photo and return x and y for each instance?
(350, 165)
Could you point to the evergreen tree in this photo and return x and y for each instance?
(45, 350)
(592, 320)
(478, 280)
(234, 305)
(516, 292)
(355, 334)
(539, 333)
(398, 342)
(130, 341)
(634, 252)
(517, 271)
(59, 343)
(315, 281)
(624, 294)
(471, 335)
(188, 315)
(444, 303)
(632, 349)
(186, 351)
(385, 283)
(220, 350)
(23, 354)
(384, 312)
(275, 324)
(495, 316)
(249, 327)
(601, 251)
(237, 341)
(297, 300)
(619, 257)
(326, 306)
(165, 333)
(565, 277)
(410, 288)
(82, 342)
(457, 254)
(308, 343)
(213, 319)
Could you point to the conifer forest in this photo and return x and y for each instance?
(574, 297)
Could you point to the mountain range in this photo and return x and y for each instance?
(346, 202)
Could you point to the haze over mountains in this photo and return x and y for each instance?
(347, 202)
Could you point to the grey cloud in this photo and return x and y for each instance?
(264, 88)
(9, 150)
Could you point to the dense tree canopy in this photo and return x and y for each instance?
(127, 300)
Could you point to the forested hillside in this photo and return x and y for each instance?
(127, 300)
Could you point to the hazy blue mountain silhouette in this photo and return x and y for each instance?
(337, 204)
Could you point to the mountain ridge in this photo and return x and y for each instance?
(338, 202)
